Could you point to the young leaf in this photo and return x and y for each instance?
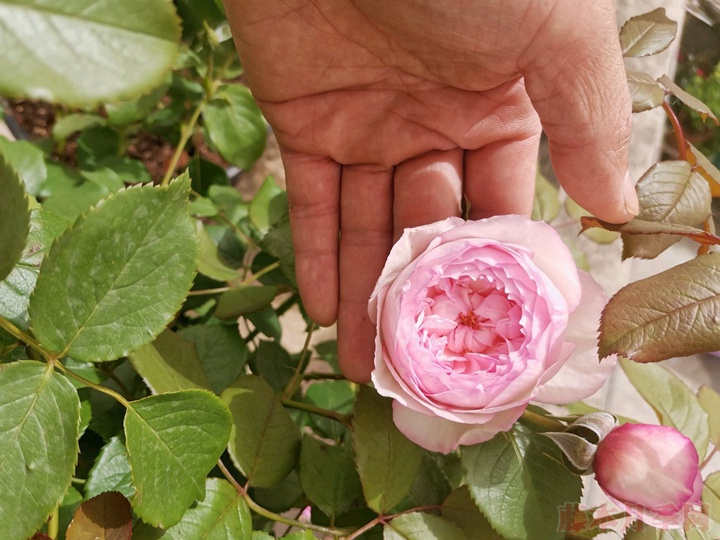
(705, 168)
(170, 363)
(269, 205)
(328, 476)
(26, 159)
(222, 515)
(236, 302)
(222, 352)
(710, 402)
(265, 441)
(673, 402)
(519, 482)
(673, 313)
(694, 103)
(645, 92)
(418, 526)
(638, 226)
(235, 125)
(386, 460)
(39, 428)
(113, 281)
(460, 509)
(646, 34)
(173, 441)
(59, 46)
(669, 192)
(14, 218)
(104, 516)
(111, 471)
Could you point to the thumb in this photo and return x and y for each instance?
(576, 82)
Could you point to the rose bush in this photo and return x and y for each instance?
(650, 472)
(476, 319)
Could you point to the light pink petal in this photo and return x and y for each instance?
(440, 435)
(583, 373)
(648, 468)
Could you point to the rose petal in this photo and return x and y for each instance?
(583, 373)
(440, 435)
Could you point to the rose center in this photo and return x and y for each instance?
(469, 319)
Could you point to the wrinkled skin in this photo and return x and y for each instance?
(387, 112)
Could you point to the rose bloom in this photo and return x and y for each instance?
(474, 320)
(650, 472)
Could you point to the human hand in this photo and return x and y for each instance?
(387, 112)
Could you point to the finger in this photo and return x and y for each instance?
(500, 177)
(313, 187)
(577, 84)
(427, 189)
(365, 241)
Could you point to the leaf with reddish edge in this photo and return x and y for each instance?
(637, 226)
(705, 168)
(106, 516)
(645, 92)
(647, 34)
(669, 192)
(691, 101)
(673, 313)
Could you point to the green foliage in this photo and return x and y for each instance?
(14, 218)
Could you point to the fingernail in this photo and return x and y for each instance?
(631, 201)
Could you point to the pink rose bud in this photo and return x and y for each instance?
(475, 319)
(651, 472)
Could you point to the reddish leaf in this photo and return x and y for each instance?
(637, 226)
(40, 536)
(705, 168)
(105, 517)
(691, 101)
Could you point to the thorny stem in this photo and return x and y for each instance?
(327, 413)
(185, 134)
(26, 338)
(104, 389)
(54, 524)
(248, 281)
(677, 130)
(384, 519)
(297, 376)
(255, 507)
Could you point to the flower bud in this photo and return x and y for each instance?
(651, 472)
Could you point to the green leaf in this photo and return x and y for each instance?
(265, 441)
(694, 103)
(546, 204)
(222, 515)
(170, 363)
(386, 460)
(68, 193)
(710, 402)
(123, 113)
(278, 242)
(26, 159)
(266, 321)
(210, 265)
(173, 441)
(14, 218)
(283, 496)
(334, 395)
(646, 34)
(669, 192)
(328, 476)
(38, 444)
(518, 481)
(236, 302)
(646, 93)
(300, 535)
(274, 364)
(598, 236)
(111, 471)
(72, 123)
(429, 488)
(269, 205)
(461, 510)
(97, 144)
(235, 125)
(222, 352)
(113, 281)
(81, 53)
(711, 495)
(673, 402)
(673, 313)
(104, 516)
(15, 290)
(418, 526)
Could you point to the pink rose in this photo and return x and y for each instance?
(651, 472)
(477, 318)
